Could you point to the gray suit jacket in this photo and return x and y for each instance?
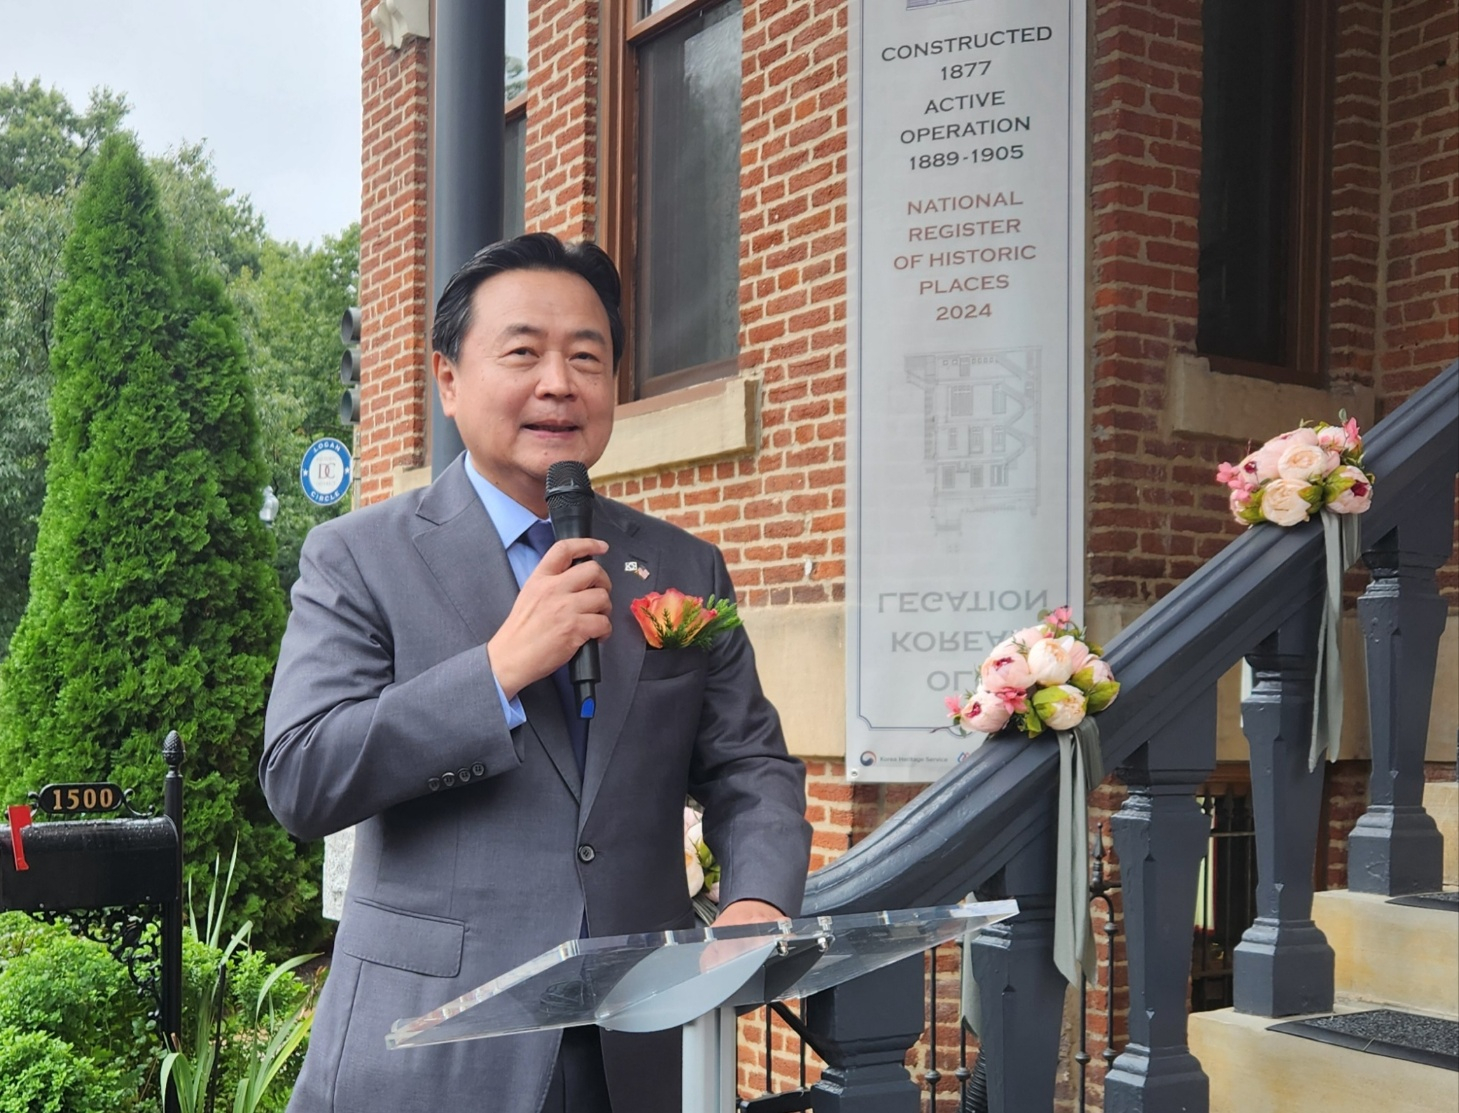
(469, 855)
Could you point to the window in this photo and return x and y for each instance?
(1264, 124)
(676, 193)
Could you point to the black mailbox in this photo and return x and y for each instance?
(95, 863)
(97, 866)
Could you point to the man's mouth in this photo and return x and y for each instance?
(551, 426)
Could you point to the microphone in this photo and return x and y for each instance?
(570, 506)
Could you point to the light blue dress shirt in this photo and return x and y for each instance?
(512, 520)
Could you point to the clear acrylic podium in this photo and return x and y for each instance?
(698, 978)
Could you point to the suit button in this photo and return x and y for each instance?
(434, 784)
(586, 853)
(463, 775)
(478, 770)
(448, 779)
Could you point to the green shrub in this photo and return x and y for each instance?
(153, 600)
(74, 990)
(42, 1074)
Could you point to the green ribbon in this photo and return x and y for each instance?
(1342, 541)
(1081, 769)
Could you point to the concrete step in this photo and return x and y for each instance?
(1253, 1070)
(1441, 800)
(1392, 954)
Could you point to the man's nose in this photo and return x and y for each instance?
(555, 377)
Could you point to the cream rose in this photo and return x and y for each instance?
(1060, 707)
(1282, 502)
(1306, 462)
(1052, 660)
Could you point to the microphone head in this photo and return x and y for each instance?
(567, 485)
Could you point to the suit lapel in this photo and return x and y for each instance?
(465, 554)
(622, 654)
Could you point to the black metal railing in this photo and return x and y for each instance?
(1227, 895)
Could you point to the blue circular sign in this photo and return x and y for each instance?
(324, 473)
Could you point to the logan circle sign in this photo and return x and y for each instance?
(325, 471)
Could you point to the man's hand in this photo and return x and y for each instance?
(748, 912)
(561, 606)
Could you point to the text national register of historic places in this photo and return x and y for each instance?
(967, 198)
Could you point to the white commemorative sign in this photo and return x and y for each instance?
(967, 152)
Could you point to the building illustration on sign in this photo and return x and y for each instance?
(980, 433)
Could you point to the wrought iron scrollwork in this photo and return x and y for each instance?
(131, 935)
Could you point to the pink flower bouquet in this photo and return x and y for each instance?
(1047, 676)
(1294, 475)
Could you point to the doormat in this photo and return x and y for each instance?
(1399, 1035)
(1446, 900)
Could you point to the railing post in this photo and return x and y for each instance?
(1396, 847)
(1020, 990)
(863, 1029)
(1160, 836)
(1283, 964)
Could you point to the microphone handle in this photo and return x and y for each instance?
(584, 669)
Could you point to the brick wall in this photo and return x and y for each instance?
(1154, 513)
(1420, 307)
(562, 118)
(394, 284)
(780, 517)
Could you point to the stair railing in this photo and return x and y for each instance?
(987, 826)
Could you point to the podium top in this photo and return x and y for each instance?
(644, 983)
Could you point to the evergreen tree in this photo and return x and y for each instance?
(153, 602)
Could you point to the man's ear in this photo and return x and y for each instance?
(445, 374)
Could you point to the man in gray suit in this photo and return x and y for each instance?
(417, 696)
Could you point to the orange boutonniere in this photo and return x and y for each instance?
(673, 620)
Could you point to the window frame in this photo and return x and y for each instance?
(621, 32)
(1309, 204)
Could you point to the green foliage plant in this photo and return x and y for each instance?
(42, 1074)
(72, 989)
(153, 603)
(239, 1036)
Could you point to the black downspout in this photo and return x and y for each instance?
(469, 42)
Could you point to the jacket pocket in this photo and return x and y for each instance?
(664, 664)
(404, 940)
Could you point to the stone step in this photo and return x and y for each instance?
(1253, 1070)
(1441, 800)
(1392, 954)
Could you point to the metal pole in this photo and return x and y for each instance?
(171, 996)
(469, 42)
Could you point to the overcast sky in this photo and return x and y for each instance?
(273, 89)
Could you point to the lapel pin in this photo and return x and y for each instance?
(639, 570)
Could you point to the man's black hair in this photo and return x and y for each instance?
(536, 251)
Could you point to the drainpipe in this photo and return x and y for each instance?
(466, 178)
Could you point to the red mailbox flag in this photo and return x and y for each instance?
(19, 820)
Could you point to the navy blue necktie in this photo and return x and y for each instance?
(540, 537)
